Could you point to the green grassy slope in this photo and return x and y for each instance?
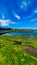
(13, 54)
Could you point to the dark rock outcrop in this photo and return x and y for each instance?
(17, 42)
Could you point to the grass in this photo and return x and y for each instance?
(13, 54)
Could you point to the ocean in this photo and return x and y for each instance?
(21, 33)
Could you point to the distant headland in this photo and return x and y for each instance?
(6, 30)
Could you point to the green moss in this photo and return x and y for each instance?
(11, 54)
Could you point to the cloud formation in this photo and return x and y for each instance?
(35, 11)
(18, 13)
(17, 16)
(6, 22)
(32, 20)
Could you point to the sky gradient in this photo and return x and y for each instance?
(18, 14)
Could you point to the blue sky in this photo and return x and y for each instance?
(18, 14)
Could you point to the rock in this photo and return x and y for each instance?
(17, 42)
(31, 50)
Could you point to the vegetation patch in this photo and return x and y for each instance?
(13, 54)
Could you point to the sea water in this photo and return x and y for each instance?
(21, 33)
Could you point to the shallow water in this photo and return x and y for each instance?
(21, 33)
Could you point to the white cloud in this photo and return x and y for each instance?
(34, 20)
(17, 16)
(23, 5)
(35, 11)
(6, 22)
(13, 22)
